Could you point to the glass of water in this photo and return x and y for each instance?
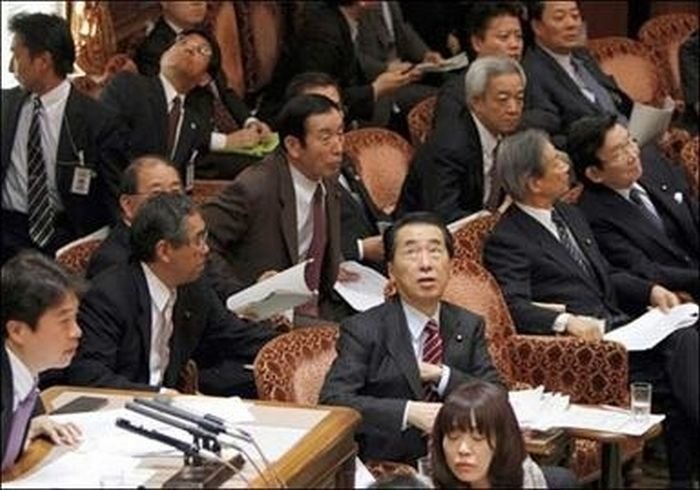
(640, 396)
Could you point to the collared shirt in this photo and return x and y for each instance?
(51, 118)
(304, 190)
(170, 94)
(488, 145)
(416, 321)
(564, 60)
(176, 29)
(388, 20)
(22, 379)
(352, 24)
(162, 302)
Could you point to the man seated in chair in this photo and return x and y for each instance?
(398, 360)
(39, 332)
(642, 214)
(144, 177)
(451, 174)
(555, 280)
(142, 323)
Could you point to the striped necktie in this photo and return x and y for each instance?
(432, 354)
(40, 211)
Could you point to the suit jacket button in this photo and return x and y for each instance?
(664, 187)
(459, 337)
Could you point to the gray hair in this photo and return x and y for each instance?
(520, 157)
(484, 68)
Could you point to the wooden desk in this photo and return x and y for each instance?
(324, 457)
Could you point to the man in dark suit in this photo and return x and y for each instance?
(227, 111)
(397, 360)
(143, 322)
(555, 279)
(286, 209)
(494, 30)
(642, 215)
(39, 332)
(451, 174)
(145, 177)
(62, 152)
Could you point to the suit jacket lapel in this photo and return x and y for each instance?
(144, 311)
(289, 209)
(476, 169)
(671, 210)
(187, 138)
(400, 347)
(564, 78)
(159, 108)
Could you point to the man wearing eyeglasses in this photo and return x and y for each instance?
(641, 213)
(141, 323)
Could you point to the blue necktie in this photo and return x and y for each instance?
(20, 421)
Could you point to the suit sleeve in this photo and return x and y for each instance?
(512, 269)
(480, 367)
(348, 375)
(95, 364)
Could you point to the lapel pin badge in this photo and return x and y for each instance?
(188, 314)
(588, 241)
(664, 187)
(459, 337)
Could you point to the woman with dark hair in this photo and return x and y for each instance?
(477, 442)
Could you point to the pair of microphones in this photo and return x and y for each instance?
(213, 432)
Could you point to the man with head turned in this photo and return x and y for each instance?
(397, 361)
(543, 252)
(40, 332)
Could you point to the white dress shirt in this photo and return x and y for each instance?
(644, 196)
(51, 118)
(488, 145)
(22, 380)
(162, 302)
(304, 190)
(170, 94)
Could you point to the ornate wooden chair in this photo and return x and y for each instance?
(665, 34)
(470, 237)
(382, 158)
(74, 256)
(420, 120)
(591, 373)
(689, 160)
(205, 189)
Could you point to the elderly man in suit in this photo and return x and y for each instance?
(542, 252)
(286, 209)
(398, 360)
(39, 332)
(451, 174)
(143, 322)
(62, 152)
(642, 215)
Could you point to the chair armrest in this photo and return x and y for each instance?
(590, 372)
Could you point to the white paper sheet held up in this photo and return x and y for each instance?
(653, 326)
(647, 123)
(365, 292)
(276, 294)
(457, 62)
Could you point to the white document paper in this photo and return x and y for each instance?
(363, 478)
(653, 326)
(364, 293)
(536, 409)
(231, 409)
(647, 123)
(274, 295)
(618, 421)
(456, 62)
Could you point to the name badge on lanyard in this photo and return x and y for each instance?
(82, 177)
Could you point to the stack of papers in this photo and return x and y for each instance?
(654, 326)
(457, 62)
(365, 292)
(536, 409)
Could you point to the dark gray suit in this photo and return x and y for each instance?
(376, 373)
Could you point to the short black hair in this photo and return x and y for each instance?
(307, 80)
(46, 33)
(481, 13)
(161, 217)
(586, 136)
(214, 68)
(31, 284)
(291, 120)
(535, 9)
(418, 217)
(129, 182)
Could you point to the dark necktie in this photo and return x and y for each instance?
(497, 192)
(40, 211)
(571, 247)
(20, 420)
(223, 121)
(173, 119)
(317, 248)
(602, 96)
(647, 209)
(432, 353)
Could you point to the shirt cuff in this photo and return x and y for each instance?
(250, 120)
(404, 421)
(560, 322)
(360, 251)
(217, 142)
(444, 380)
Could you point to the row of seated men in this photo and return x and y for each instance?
(287, 208)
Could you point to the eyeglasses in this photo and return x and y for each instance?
(202, 49)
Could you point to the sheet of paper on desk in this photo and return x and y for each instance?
(652, 327)
(365, 292)
(536, 409)
(647, 123)
(600, 419)
(272, 295)
(231, 409)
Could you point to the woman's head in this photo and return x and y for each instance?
(476, 439)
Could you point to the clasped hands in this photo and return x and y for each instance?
(422, 414)
(254, 133)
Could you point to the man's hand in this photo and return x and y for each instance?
(422, 414)
(243, 138)
(388, 81)
(433, 57)
(60, 434)
(261, 128)
(429, 373)
(373, 248)
(584, 328)
(663, 298)
(398, 65)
